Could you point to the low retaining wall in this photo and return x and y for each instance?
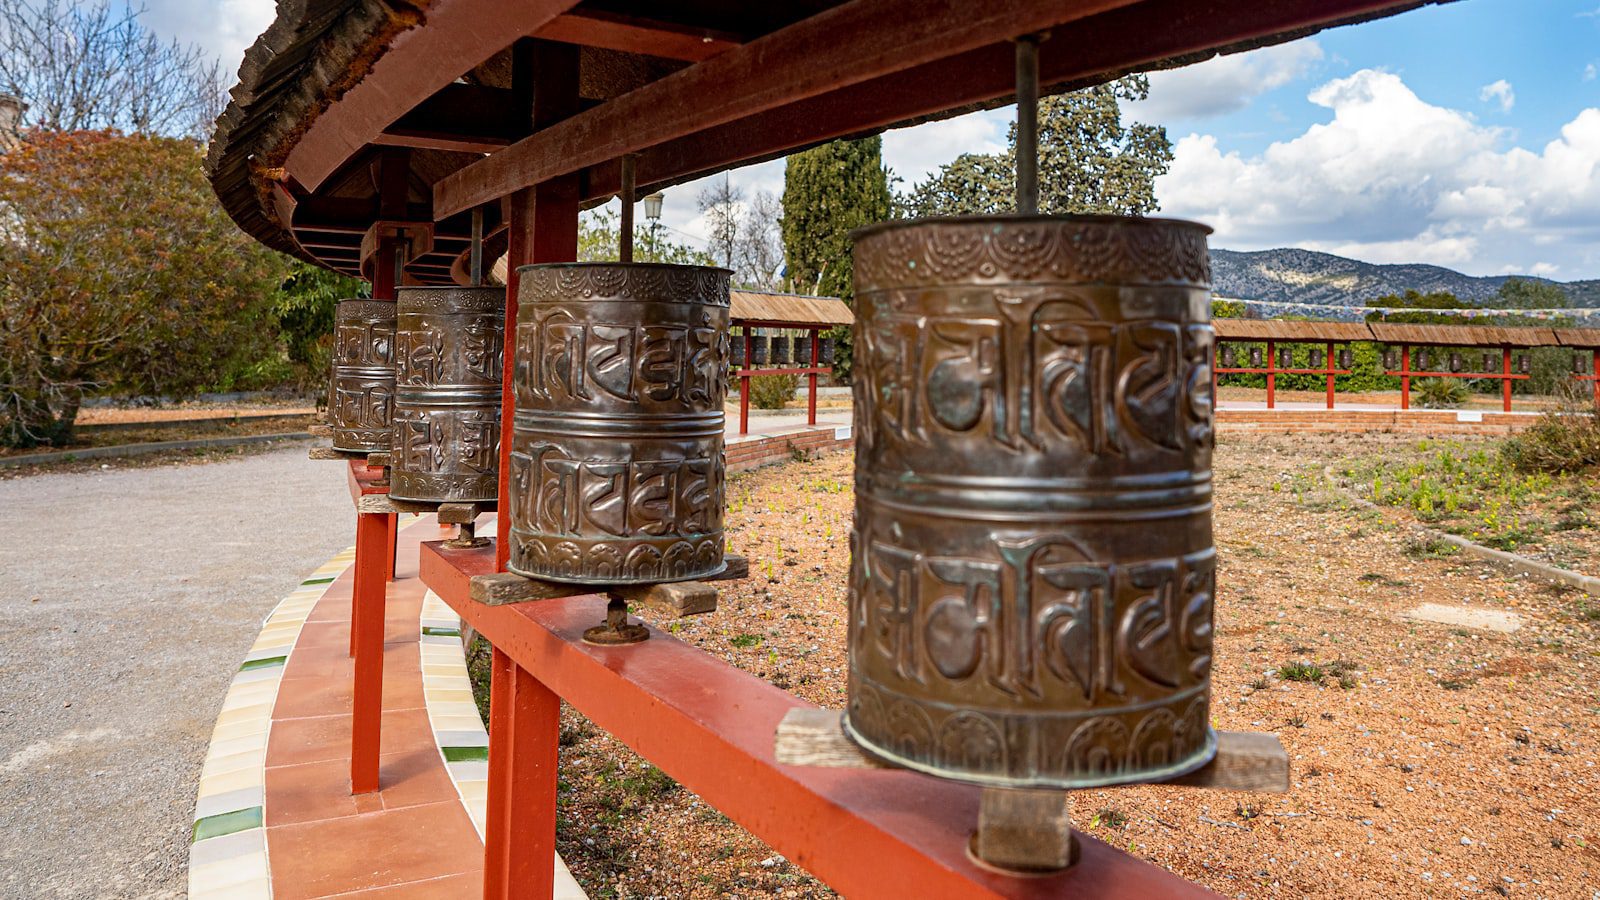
(752, 451)
(1395, 421)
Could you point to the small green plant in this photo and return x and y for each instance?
(1308, 672)
(773, 391)
(1428, 548)
(1441, 393)
(1260, 684)
(1110, 817)
(745, 641)
(1566, 439)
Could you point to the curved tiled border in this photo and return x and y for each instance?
(228, 855)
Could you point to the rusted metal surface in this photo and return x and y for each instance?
(616, 472)
(361, 398)
(1033, 565)
(447, 393)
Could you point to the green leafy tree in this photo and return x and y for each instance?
(829, 191)
(119, 272)
(304, 306)
(600, 235)
(1526, 293)
(1089, 162)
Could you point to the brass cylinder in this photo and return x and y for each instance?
(449, 360)
(361, 402)
(616, 466)
(1033, 566)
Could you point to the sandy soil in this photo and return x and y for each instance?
(1427, 760)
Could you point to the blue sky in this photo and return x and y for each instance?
(1466, 135)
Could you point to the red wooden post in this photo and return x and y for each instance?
(1331, 367)
(366, 624)
(1215, 347)
(1405, 376)
(1505, 383)
(811, 397)
(530, 804)
(1272, 378)
(391, 530)
(1595, 359)
(744, 387)
(496, 839)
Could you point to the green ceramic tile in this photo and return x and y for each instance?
(266, 663)
(442, 632)
(465, 754)
(319, 580)
(227, 823)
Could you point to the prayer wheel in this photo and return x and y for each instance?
(361, 400)
(825, 351)
(1255, 357)
(1455, 362)
(780, 350)
(1347, 358)
(616, 464)
(736, 351)
(802, 352)
(758, 350)
(448, 369)
(1488, 363)
(1316, 359)
(1422, 361)
(1228, 358)
(1524, 364)
(1285, 358)
(1033, 565)
(1391, 359)
(1578, 367)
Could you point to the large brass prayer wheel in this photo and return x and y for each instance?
(448, 370)
(360, 402)
(1033, 567)
(616, 462)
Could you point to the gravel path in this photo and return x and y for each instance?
(127, 599)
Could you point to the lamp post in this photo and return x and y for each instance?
(652, 211)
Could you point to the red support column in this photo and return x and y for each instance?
(1405, 376)
(366, 624)
(744, 387)
(1505, 383)
(496, 840)
(1272, 377)
(1595, 359)
(1329, 360)
(530, 803)
(811, 397)
(391, 538)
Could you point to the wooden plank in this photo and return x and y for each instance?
(596, 28)
(681, 598)
(330, 453)
(1245, 761)
(508, 587)
(382, 503)
(841, 46)
(461, 513)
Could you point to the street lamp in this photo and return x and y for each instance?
(652, 211)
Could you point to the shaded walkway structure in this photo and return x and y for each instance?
(378, 139)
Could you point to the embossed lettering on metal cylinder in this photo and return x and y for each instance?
(449, 361)
(361, 399)
(616, 463)
(1032, 565)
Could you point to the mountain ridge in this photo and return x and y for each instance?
(1293, 275)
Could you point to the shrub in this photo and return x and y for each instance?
(1441, 393)
(1566, 439)
(773, 391)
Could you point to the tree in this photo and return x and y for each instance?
(304, 306)
(829, 191)
(119, 271)
(1526, 293)
(758, 254)
(599, 237)
(723, 206)
(88, 67)
(1089, 162)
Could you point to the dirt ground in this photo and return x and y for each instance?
(1428, 760)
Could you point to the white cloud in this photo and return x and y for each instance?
(1392, 178)
(1501, 91)
(914, 153)
(1223, 84)
(223, 28)
(1590, 72)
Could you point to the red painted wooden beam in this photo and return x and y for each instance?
(845, 45)
(594, 28)
(867, 833)
(454, 36)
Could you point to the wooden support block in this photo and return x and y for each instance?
(1245, 761)
(330, 453)
(680, 598)
(1024, 830)
(458, 513)
(737, 567)
(379, 460)
(381, 503)
(319, 430)
(508, 587)
(814, 737)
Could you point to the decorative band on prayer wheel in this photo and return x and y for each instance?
(361, 400)
(448, 369)
(1033, 566)
(616, 463)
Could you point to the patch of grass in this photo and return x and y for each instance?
(1420, 547)
(1110, 817)
(1456, 682)
(745, 641)
(1308, 672)
(1260, 684)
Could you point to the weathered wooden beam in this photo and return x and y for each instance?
(508, 587)
(418, 62)
(1076, 55)
(836, 48)
(468, 118)
(595, 28)
(1245, 761)
(679, 598)
(1024, 830)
